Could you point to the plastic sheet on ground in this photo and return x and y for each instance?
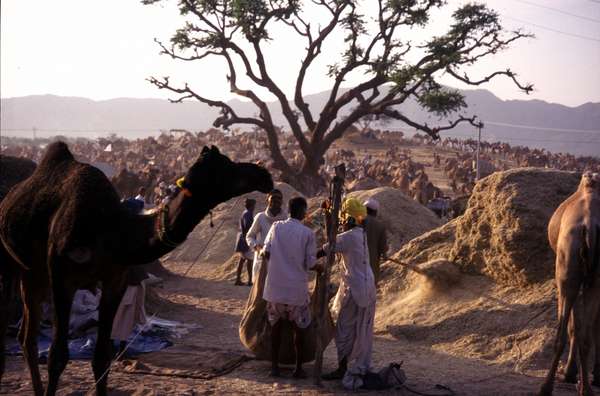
(156, 335)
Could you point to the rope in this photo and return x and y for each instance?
(449, 391)
(142, 328)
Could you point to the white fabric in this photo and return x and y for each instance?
(372, 203)
(293, 252)
(354, 335)
(131, 312)
(84, 309)
(357, 276)
(258, 233)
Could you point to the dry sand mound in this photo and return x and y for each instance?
(366, 183)
(404, 218)
(503, 231)
(219, 249)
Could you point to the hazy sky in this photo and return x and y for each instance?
(105, 49)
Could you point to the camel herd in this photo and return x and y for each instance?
(64, 229)
(150, 161)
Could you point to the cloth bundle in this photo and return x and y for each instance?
(255, 331)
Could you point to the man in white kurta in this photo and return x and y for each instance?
(255, 238)
(290, 250)
(354, 303)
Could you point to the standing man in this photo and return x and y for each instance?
(241, 247)
(262, 224)
(290, 252)
(354, 302)
(376, 237)
(132, 309)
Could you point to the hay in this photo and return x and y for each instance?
(221, 247)
(403, 217)
(503, 233)
(500, 304)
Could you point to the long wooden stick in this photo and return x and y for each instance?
(331, 223)
(408, 266)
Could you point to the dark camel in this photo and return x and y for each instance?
(574, 234)
(13, 170)
(67, 230)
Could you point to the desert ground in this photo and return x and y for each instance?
(217, 305)
(478, 335)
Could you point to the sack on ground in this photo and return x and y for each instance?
(255, 331)
(388, 377)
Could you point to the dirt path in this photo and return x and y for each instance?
(217, 306)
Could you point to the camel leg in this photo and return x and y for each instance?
(4, 303)
(596, 330)
(112, 293)
(584, 312)
(566, 298)
(58, 357)
(571, 368)
(28, 333)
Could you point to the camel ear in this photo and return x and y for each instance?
(205, 150)
(214, 149)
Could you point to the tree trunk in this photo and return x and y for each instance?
(308, 180)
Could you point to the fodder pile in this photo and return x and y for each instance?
(502, 307)
(503, 231)
(403, 217)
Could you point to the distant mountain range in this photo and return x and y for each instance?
(531, 123)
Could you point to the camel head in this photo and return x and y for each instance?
(590, 181)
(216, 177)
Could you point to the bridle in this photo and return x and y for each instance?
(163, 220)
(162, 231)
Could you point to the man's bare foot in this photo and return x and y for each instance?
(275, 372)
(299, 373)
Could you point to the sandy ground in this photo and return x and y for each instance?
(217, 306)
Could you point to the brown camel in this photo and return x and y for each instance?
(67, 229)
(13, 171)
(574, 234)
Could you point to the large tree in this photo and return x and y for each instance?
(374, 42)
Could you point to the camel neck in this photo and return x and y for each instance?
(168, 227)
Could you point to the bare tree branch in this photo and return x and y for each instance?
(527, 88)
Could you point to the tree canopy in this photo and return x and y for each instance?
(376, 43)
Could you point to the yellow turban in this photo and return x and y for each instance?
(352, 207)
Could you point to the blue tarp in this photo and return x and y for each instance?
(149, 340)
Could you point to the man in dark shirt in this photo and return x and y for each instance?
(376, 237)
(241, 247)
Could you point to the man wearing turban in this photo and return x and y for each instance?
(354, 304)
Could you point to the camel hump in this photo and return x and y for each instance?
(56, 153)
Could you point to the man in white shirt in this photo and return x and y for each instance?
(290, 252)
(141, 195)
(354, 303)
(261, 225)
